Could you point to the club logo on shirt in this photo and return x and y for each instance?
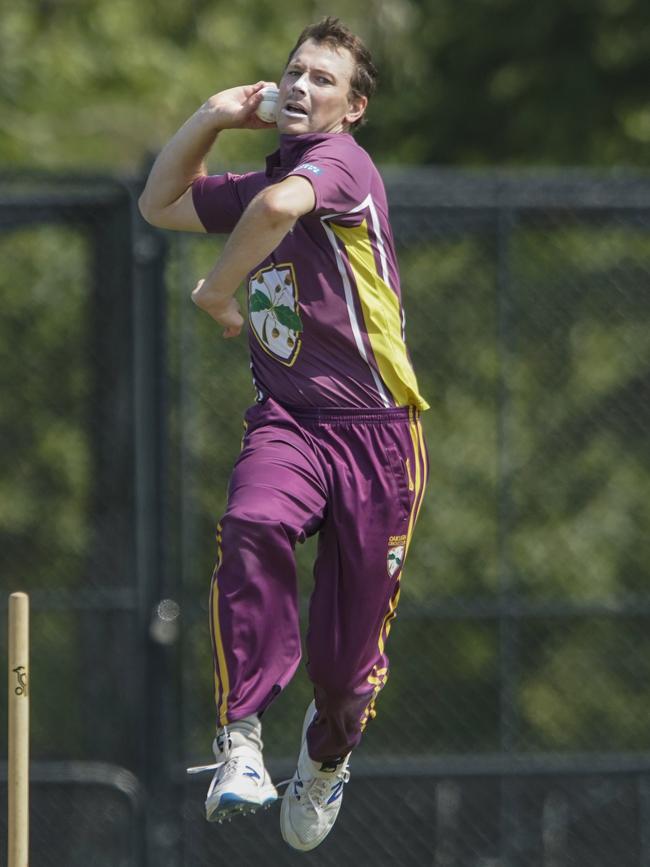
(273, 311)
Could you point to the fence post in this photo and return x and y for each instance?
(158, 622)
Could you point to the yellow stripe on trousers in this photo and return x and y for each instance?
(221, 671)
(420, 451)
(419, 455)
(220, 656)
(420, 461)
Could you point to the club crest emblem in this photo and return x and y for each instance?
(273, 312)
(395, 559)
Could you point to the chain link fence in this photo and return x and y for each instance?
(513, 730)
(67, 510)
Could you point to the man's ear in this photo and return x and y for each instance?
(357, 106)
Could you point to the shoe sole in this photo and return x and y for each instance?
(232, 805)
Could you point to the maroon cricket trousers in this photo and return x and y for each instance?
(356, 477)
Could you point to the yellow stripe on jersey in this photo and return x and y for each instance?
(382, 317)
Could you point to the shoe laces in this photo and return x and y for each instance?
(317, 789)
(224, 744)
(230, 767)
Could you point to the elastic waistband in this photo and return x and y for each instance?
(345, 415)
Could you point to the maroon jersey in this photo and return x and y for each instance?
(326, 324)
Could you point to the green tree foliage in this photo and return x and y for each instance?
(98, 83)
(45, 482)
(508, 81)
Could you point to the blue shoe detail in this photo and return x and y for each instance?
(230, 799)
(231, 804)
(251, 772)
(337, 791)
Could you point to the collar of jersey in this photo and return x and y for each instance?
(292, 148)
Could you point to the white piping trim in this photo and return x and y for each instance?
(380, 240)
(349, 300)
(369, 203)
(258, 391)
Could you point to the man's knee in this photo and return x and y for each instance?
(339, 685)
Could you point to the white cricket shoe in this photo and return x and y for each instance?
(241, 783)
(312, 799)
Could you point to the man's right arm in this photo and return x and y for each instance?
(166, 200)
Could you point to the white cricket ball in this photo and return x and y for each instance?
(267, 108)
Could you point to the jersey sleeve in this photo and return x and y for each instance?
(339, 174)
(217, 201)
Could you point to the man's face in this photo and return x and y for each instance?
(315, 91)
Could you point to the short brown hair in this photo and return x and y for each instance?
(330, 31)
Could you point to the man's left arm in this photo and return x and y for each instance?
(261, 228)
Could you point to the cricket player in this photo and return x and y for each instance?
(333, 445)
